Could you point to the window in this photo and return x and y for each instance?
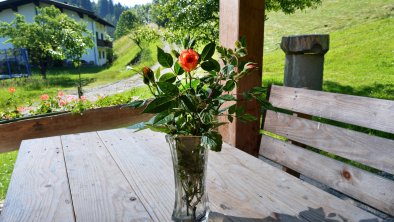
(102, 36)
(99, 54)
(96, 35)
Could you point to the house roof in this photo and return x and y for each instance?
(13, 4)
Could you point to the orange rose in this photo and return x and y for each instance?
(11, 90)
(188, 60)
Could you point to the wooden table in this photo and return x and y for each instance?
(118, 175)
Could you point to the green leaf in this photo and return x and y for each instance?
(165, 59)
(208, 51)
(168, 88)
(136, 103)
(247, 117)
(229, 85)
(232, 109)
(157, 75)
(188, 103)
(159, 104)
(167, 77)
(213, 140)
(178, 69)
(163, 118)
(138, 126)
(210, 65)
(230, 118)
(227, 97)
(159, 128)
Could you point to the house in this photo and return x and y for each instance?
(98, 26)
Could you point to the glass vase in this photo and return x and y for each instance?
(189, 158)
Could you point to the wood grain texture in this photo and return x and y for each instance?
(99, 190)
(146, 162)
(241, 187)
(371, 113)
(39, 189)
(370, 150)
(11, 134)
(244, 19)
(364, 186)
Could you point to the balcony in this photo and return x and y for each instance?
(104, 43)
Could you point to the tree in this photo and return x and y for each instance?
(200, 18)
(102, 6)
(52, 36)
(127, 21)
(143, 34)
(87, 4)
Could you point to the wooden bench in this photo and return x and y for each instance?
(307, 139)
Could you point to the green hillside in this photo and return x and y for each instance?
(361, 56)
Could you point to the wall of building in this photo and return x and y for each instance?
(29, 11)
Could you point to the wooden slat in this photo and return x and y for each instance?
(240, 187)
(364, 186)
(39, 189)
(366, 112)
(370, 150)
(99, 190)
(11, 134)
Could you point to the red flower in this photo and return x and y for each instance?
(11, 90)
(62, 102)
(188, 60)
(60, 94)
(44, 97)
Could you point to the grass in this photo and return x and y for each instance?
(61, 79)
(7, 161)
(361, 56)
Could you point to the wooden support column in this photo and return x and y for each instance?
(244, 18)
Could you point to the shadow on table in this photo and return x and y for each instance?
(307, 215)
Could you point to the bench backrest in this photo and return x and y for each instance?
(320, 138)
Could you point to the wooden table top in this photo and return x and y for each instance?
(119, 175)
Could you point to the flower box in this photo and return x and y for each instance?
(53, 124)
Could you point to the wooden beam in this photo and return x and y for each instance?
(240, 18)
(11, 134)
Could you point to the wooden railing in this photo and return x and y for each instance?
(104, 43)
(12, 133)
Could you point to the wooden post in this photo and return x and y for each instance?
(240, 18)
(304, 68)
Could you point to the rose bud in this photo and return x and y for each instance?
(188, 59)
(250, 66)
(148, 75)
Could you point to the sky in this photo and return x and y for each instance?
(131, 2)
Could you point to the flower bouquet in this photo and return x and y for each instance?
(189, 95)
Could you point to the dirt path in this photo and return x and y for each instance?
(92, 94)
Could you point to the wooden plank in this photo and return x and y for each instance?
(39, 189)
(240, 186)
(149, 173)
(11, 134)
(364, 186)
(371, 113)
(244, 19)
(99, 190)
(369, 150)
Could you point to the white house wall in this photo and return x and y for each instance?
(6, 16)
(29, 11)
